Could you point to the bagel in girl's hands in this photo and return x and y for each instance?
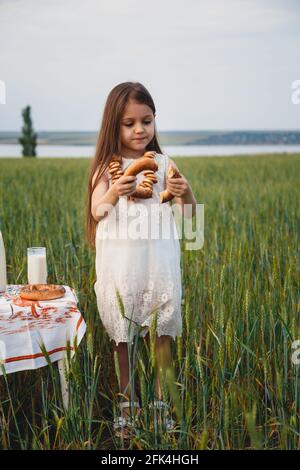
(166, 196)
(115, 168)
(143, 163)
(42, 291)
(149, 166)
(147, 162)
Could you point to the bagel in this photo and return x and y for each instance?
(165, 195)
(149, 166)
(150, 154)
(145, 189)
(146, 162)
(150, 178)
(42, 291)
(143, 163)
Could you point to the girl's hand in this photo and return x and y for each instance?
(125, 185)
(178, 186)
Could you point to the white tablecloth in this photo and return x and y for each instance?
(25, 325)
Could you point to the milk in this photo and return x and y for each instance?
(3, 278)
(36, 265)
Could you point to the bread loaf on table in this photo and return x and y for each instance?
(42, 291)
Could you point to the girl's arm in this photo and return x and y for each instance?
(183, 192)
(102, 196)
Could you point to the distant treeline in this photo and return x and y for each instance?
(169, 138)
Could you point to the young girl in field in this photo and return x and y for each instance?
(145, 271)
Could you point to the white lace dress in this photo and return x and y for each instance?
(138, 254)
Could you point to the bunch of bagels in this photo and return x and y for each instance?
(148, 166)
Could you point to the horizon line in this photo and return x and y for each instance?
(176, 130)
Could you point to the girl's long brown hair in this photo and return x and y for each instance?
(109, 142)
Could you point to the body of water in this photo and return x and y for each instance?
(69, 151)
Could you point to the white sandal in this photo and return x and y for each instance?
(125, 422)
(162, 405)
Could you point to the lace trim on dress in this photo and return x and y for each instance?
(167, 302)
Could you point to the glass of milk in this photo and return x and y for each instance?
(36, 265)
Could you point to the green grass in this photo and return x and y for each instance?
(233, 384)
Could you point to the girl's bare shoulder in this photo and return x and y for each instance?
(104, 177)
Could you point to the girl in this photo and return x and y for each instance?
(145, 272)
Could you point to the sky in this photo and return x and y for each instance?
(208, 64)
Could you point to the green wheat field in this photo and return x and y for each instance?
(233, 384)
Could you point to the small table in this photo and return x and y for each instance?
(25, 326)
